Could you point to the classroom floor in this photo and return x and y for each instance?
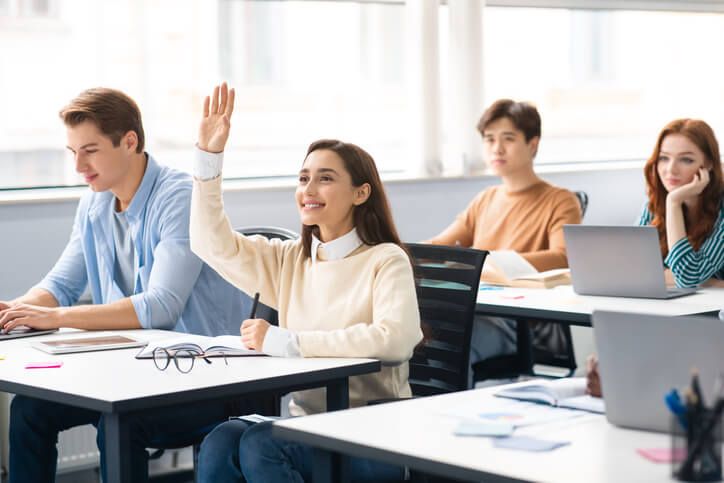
(91, 476)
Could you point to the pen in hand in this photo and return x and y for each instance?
(254, 305)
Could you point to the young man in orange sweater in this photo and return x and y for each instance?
(524, 214)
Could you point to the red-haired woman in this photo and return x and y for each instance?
(686, 203)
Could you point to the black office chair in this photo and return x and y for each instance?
(446, 280)
(269, 232)
(529, 352)
(583, 200)
(270, 406)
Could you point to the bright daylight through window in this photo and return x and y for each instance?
(604, 81)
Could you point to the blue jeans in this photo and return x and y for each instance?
(34, 428)
(237, 451)
(35, 424)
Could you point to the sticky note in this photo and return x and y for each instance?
(663, 455)
(527, 443)
(44, 365)
(2, 358)
(483, 428)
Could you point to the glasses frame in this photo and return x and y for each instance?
(161, 354)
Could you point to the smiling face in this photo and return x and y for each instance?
(679, 161)
(326, 196)
(103, 166)
(506, 150)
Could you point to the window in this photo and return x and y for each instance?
(302, 70)
(605, 81)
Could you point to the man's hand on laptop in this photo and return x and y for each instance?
(33, 316)
(593, 378)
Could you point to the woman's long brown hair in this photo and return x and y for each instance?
(707, 210)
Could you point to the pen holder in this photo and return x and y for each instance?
(696, 449)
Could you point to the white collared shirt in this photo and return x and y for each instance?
(207, 165)
(336, 249)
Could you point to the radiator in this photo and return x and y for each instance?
(77, 449)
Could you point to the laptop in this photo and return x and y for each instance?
(643, 357)
(24, 331)
(618, 261)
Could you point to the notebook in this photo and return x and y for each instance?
(618, 261)
(222, 345)
(563, 393)
(507, 267)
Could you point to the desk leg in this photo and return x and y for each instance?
(118, 447)
(329, 467)
(525, 346)
(332, 467)
(338, 394)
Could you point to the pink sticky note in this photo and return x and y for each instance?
(663, 455)
(44, 365)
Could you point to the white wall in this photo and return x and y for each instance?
(33, 234)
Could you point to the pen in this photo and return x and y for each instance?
(673, 402)
(253, 306)
(696, 387)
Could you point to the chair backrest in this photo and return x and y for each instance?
(447, 281)
(583, 200)
(269, 232)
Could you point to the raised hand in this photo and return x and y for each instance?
(691, 189)
(216, 120)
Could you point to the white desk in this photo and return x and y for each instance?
(562, 304)
(416, 434)
(116, 384)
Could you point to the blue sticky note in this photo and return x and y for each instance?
(483, 428)
(490, 287)
(527, 443)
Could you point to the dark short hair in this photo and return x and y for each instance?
(523, 115)
(112, 111)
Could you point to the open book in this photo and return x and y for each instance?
(507, 267)
(563, 393)
(222, 345)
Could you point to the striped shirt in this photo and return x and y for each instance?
(691, 267)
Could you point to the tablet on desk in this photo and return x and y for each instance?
(86, 344)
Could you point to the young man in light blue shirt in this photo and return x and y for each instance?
(130, 247)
